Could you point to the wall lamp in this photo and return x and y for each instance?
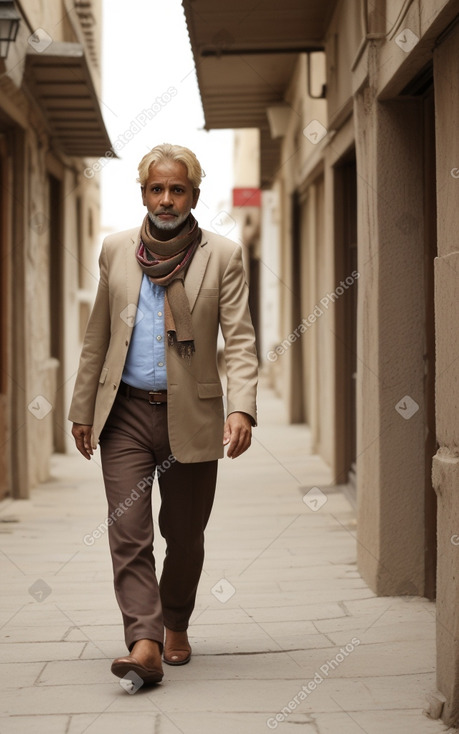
(9, 25)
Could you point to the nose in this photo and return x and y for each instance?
(166, 198)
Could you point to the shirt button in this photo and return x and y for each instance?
(159, 337)
(160, 313)
(160, 364)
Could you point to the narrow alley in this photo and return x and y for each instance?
(285, 631)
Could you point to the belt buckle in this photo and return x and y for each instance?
(151, 393)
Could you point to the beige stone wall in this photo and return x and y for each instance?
(343, 38)
(299, 161)
(307, 168)
(390, 470)
(40, 382)
(446, 462)
(81, 275)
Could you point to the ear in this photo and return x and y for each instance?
(142, 191)
(196, 193)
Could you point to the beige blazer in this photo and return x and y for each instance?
(218, 295)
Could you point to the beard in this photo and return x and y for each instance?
(173, 224)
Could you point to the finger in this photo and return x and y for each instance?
(240, 449)
(244, 442)
(232, 444)
(83, 446)
(240, 442)
(87, 445)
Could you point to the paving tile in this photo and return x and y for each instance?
(373, 693)
(104, 649)
(40, 633)
(68, 699)
(256, 638)
(404, 631)
(387, 658)
(76, 672)
(40, 651)
(233, 723)
(17, 675)
(99, 632)
(376, 722)
(296, 612)
(177, 723)
(35, 724)
(119, 723)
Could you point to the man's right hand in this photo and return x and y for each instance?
(82, 436)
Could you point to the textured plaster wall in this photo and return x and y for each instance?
(390, 470)
(446, 462)
(36, 416)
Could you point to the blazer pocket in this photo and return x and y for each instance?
(208, 293)
(103, 375)
(210, 390)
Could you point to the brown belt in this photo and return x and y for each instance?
(154, 398)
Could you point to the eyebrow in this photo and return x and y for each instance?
(160, 183)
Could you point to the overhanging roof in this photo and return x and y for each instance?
(61, 83)
(245, 58)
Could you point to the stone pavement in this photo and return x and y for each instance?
(285, 631)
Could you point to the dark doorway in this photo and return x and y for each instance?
(430, 252)
(346, 323)
(4, 321)
(297, 410)
(56, 315)
(422, 89)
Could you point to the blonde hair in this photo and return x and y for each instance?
(168, 152)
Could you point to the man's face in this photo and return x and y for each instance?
(169, 197)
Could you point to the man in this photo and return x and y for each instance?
(149, 392)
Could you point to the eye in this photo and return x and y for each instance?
(155, 189)
(179, 189)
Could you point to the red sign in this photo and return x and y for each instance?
(246, 197)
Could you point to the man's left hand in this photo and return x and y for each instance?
(237, 434)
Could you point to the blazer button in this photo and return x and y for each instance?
(126, 342)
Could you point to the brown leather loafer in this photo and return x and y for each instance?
(123, 666)
(177, 649)
(177, 657)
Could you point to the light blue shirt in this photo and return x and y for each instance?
(145, 365)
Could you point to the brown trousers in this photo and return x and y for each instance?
(133, 444)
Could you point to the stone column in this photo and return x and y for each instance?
(390, 371)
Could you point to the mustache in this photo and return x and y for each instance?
(166, 211)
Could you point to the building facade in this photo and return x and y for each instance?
(50, 125)
(356, 104)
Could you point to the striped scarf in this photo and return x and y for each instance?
(165, 263)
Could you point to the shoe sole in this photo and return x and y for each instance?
(122, 670)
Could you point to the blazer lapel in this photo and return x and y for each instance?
(195, 274)
(133, 272)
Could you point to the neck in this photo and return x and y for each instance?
(163, 235)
